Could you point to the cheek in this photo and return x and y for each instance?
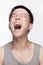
(11, 25)
(25, 22)
(25, 19)
(12, 19)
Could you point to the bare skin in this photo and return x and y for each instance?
(21, 48)
(23, 55)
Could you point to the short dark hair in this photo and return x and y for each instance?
(23, 7)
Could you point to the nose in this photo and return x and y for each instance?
(17, 18)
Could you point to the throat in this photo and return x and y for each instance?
(20, 43)
(21, 46)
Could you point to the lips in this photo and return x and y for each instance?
(17, 26)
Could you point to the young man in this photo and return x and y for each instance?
(21, 51)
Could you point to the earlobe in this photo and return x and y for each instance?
(30, 26)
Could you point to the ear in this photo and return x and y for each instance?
(30, 26)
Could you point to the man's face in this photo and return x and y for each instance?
(19, 22)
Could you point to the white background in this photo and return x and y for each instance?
(36, 6)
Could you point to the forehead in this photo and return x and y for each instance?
(20, 10)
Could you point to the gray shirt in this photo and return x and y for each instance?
(10, 60)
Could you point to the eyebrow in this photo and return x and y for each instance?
(13, 13)
(21, 14)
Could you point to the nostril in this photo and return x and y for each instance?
(17, 18)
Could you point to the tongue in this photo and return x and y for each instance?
(17, 26)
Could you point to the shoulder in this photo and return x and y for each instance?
(41, 56)
(1, 54)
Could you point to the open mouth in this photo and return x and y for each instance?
(17, 26)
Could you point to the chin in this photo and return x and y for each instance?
(17, 35)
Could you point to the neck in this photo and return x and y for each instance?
(20, 43)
